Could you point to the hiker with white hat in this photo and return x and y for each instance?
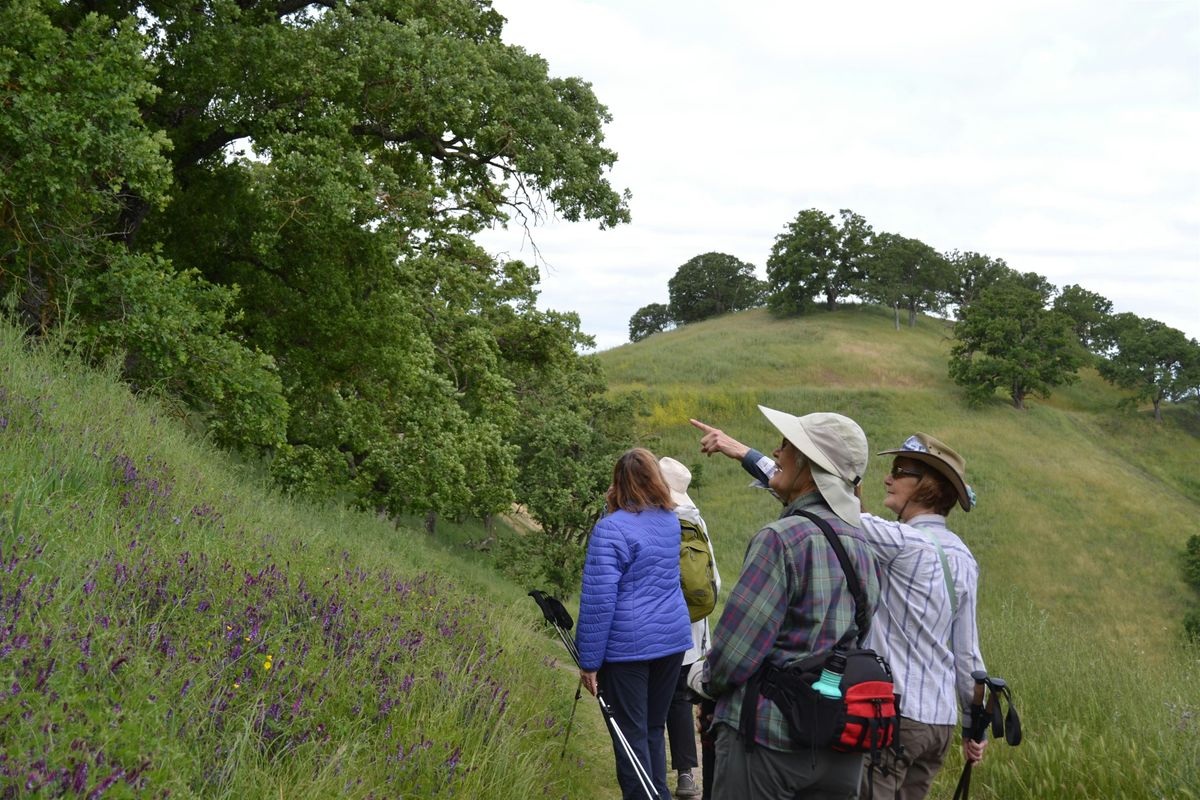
(788, 604)
(681, 728)
(925, 625)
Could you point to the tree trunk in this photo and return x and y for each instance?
(1158, 409)
(896, 307)
(912, 315)
(830, 301)
(1018, 396)
(431, 518)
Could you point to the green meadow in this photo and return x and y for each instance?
(1082, 517)
(170, 625)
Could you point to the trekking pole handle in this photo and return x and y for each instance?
(978, 727)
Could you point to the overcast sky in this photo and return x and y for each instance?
(1063, 137)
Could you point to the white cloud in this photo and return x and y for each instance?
(1056, 135)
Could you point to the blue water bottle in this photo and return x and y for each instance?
(830, 682)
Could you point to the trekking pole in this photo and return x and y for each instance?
(975, 731)
(558, 616)
(1007, 725)
(571, 720)
(642, 775)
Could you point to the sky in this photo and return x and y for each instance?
(1062, 137)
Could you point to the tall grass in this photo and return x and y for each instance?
(171, 626)
(1083, 513)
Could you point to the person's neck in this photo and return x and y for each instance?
(808, 487)
(910, 512)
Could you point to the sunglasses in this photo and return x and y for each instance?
(901, 472)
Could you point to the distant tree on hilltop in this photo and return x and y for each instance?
(649, 319)
(816, 256)
(1009, 339)
(971, 274)
(906, 273)
(1089, 312)
(712, 284)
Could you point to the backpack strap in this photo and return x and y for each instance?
(862, 616)
(947, 576)
(748, 724)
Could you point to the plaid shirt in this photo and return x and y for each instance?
(790, 601)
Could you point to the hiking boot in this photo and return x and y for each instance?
(686, 785)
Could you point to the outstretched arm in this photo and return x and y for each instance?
(715, 440)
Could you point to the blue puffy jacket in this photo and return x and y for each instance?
(631, 607)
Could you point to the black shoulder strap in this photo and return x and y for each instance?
(862, 617)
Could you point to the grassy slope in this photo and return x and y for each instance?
(116, 527)
(1082, 514)
(169, 624)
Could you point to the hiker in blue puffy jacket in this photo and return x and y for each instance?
(633, 623)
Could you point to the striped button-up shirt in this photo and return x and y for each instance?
(932, 650)
(791, 600)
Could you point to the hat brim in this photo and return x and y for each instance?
(836, 490)
(793, 430)
(944, 469)
(681, 499)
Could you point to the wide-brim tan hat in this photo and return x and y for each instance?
(837, 449)
(949, 464)
(678, 478)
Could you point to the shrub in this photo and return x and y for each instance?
(1191, 562)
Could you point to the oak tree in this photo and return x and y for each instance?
(1009, 339)
(1157, 362)
(817, 256)
(650, 318)
(711, 284)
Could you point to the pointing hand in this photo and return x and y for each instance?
(716, 440)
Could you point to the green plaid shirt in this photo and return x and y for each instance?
(790, 601)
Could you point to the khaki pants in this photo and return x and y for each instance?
(925, 748)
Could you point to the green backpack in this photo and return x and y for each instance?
(697, 575)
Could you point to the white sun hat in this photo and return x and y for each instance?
(837, 449)
(678, 478)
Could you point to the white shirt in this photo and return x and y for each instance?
(913, 627)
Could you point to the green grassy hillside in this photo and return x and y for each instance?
(171, 626)
(1083, 513)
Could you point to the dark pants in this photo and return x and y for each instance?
(681, 725)
(765, 774)
(639, 694)
(708, 745)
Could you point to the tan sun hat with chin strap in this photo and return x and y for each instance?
(836, 447)
(948, 463)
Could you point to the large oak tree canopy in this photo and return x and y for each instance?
(274, 218)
